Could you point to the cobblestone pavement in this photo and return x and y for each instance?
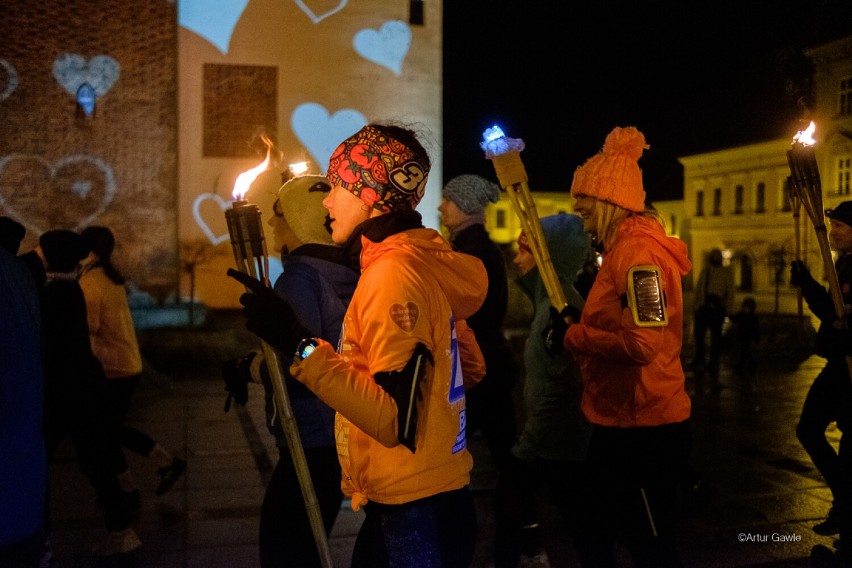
(766, 495)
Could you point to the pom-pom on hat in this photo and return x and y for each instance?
(471, 193)
(300, 200)
(62, 249)
(613, 175)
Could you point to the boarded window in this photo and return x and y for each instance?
(240, 102)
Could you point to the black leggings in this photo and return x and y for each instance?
(119, 393)
(636, 473)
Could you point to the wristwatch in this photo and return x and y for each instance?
(306, 347)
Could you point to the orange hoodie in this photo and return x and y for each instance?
(632, 376)
(413, 288)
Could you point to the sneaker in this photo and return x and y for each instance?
(830, 526)
(121, 542)
(540, 560)
(170, 474)
(46, 558)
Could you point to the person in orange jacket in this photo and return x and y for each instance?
(627, 342)
(397, 380)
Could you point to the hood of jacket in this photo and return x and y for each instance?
(676, 248)
(459, 275)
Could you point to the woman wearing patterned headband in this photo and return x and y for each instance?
(628, 343)
(397, 380)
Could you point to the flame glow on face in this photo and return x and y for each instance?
(245, 179)
(806, 137)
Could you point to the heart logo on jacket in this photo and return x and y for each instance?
(405, 316)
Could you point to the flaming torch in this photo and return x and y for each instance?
(807, 185)
(505, 154)
(249, 245)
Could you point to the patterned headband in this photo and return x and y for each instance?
(381, 171)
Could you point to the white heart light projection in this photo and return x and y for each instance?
(388, 46)
(71, 192)
(214, 20)
(11, 80)
(214, 213)
(320, 132)
(72, 70)
(316, 14)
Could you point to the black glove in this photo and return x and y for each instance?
(269, 316)
(554, 333)
(799, 274)
(237, 375)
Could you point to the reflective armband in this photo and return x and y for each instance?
(646, 297)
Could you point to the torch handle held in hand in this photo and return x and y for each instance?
(250, 255)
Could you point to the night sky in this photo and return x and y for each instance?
(694, 77)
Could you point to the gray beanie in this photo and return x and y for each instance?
(471, 193)
(300, 200)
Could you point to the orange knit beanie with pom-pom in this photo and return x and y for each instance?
(613, 175)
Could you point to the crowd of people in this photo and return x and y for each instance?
(393, 353)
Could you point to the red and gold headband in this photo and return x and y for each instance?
(381, 171)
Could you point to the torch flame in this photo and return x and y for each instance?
(298, 168)
(245, 179)
(806, 137)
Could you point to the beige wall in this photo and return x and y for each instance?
(316, 63)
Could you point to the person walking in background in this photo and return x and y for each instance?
(829, 398)
(74, 389)
(318, 282)
(551, 449)
(23, 471)
(746, 329)
(114, 343)
(628, 342)
(406, 356)
(714, 299)
(490, 405)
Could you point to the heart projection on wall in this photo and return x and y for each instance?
(388, 46)
(11, 80)
(318, 10)
(72, 70)
(209, 206)
(68, 193)
(320, 132)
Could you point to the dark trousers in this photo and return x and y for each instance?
(821, 408)
(568, 486)
(708, 318)
(119, 393)
(490, 406)
(435, 531)
(83, 421)
(286, 537)
(635, 475)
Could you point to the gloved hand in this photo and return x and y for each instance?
(237, 375)
(554, 333)
(269, 316)
(799, 274)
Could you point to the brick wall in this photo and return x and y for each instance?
(60, 169)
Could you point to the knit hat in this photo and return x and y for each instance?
(300, 200)
(62, 249)
(613, 175)
(471, 193)
(842, 213)
(382, 171)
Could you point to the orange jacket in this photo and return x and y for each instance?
(632, 376)
(413, 287)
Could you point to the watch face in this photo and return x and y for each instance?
(307, 350)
